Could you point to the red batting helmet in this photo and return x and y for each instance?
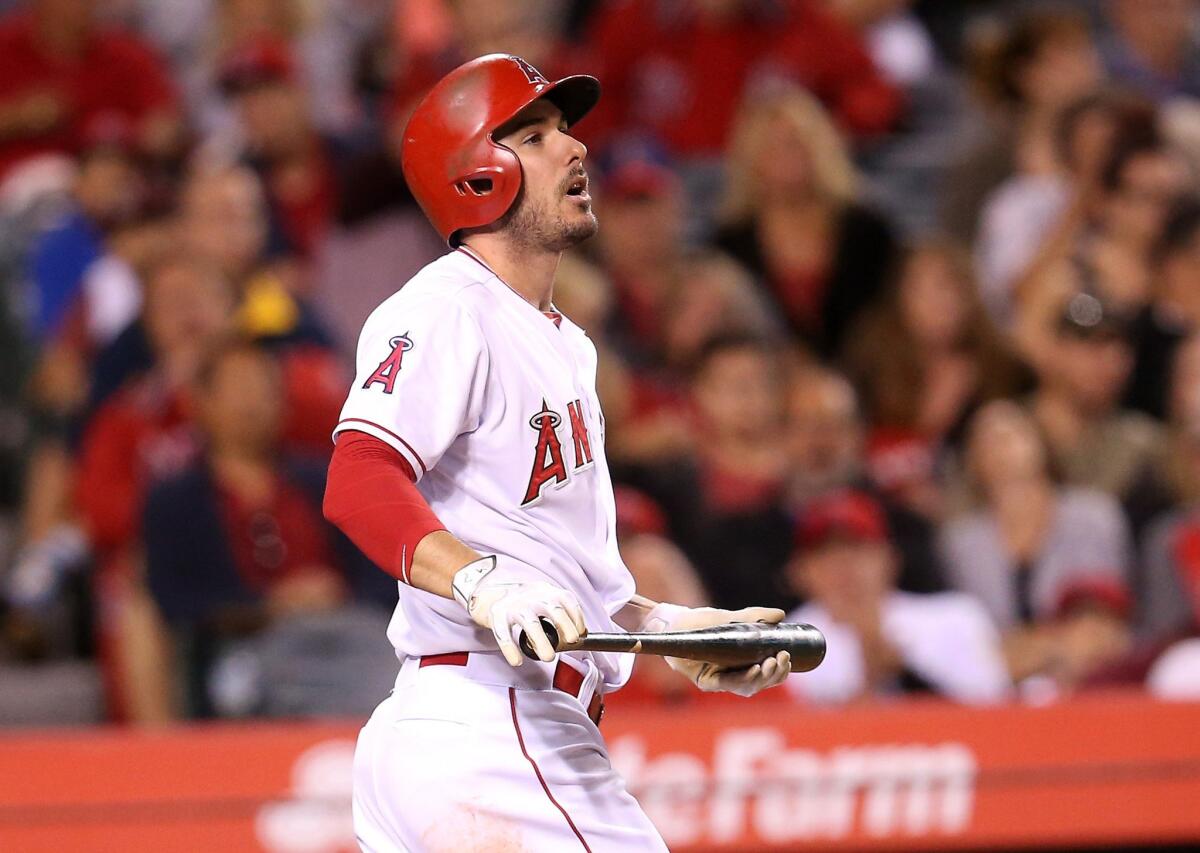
(459, 174)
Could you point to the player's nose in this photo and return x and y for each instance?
(576, 150)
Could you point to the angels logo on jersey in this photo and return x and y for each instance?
(385, 374)
(548, 463)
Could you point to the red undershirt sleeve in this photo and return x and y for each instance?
(371, 496)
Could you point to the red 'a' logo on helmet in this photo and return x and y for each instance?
(531, 73)
(389, 368)
(548, 462)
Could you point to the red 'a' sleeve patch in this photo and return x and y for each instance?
(388, 369)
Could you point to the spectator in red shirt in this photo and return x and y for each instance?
(144, 431)
(141, 433)
(281, 142)
(680, 69)
(60, 72)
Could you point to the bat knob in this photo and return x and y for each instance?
(551, 635)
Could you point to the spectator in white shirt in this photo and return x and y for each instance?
(882, 641)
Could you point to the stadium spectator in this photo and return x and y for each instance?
(709, 297)
(1050, 564)
(1104, 246)
(645, 415)
(723, 499)
(144, 431)
(1031, 216)
(1026, 70)
(925, 358)
(61, 73)
(641, 245)
(294, 163)
(223, 222)
(379, 237)
(225, 217)
(1141, 179)
(792, 217)
(712, 297)
(107, 192)
(825, 433)
(880, 641)
(663, 573)
(465, 29)
(680, 70)
(1168, 587)
(1093, 442)
(236, 539)
(141, 433)
(737, 396)
(1172, 314)
(109, 293)
(826, 437)
(1150, 46)
(897, 41)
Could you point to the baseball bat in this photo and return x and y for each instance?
(736, 644)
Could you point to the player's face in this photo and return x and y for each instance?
(554, 210)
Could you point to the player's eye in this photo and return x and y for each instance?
(533, 139)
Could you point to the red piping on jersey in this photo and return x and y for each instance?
(409, 447)
(371, 496)
(512, 701)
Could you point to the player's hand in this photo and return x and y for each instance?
(744, 681)
(508, 609)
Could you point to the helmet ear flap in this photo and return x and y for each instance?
(477, 187)
(489, 191)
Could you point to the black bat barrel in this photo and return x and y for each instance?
(736, 644)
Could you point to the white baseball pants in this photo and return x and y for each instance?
(487, 757)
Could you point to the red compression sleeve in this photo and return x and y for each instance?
(371, 496)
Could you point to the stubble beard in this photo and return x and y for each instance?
(531, 226)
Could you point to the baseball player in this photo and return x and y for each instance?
(469, 463)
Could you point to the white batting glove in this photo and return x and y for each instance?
(510, 607)
(744, 681)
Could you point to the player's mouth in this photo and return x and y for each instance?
(578, 189)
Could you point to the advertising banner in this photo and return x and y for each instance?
(760, 776)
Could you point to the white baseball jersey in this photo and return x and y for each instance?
(493, 403)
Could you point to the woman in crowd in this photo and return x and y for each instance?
(1050, 564)
(791, 215)
(924, 359)
(1024, 73)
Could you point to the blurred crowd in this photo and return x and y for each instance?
(898, 308)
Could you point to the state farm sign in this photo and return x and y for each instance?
(754, 785)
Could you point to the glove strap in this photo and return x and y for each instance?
(467, 579)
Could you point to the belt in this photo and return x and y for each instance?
(566, 678)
